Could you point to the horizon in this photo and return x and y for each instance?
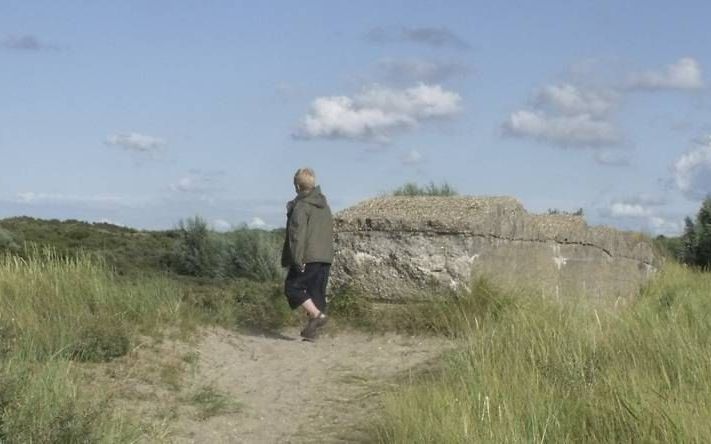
(142, 114)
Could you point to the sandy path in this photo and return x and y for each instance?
(293, 391)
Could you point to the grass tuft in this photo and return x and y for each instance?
(210, 402)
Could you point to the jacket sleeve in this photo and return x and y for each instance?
(297, 234)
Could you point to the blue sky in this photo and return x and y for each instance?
(145, 112)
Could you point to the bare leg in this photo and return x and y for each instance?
(316, 320)
(311, 308)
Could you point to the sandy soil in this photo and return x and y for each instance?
(291, 391)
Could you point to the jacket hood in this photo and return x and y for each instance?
(314, 197)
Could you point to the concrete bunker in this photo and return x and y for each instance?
(403, 248)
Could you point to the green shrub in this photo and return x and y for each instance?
(253, 254)
(242, 253)
(7, 241)
(198, 251)
(431, 189)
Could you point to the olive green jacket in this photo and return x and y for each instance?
(309, 230)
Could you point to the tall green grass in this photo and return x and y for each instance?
(74, 307)
(55, 312)
(534, 370)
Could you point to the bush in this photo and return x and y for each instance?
(242, 253)
(7, 241)
(197, 252)
(432, 189)
(556, 211)
(253, 254)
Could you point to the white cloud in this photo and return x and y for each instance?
(685, 74)
(581, 130)
(662, 225)
(257, 222)
(643, 212)
(571, 100)
(568, 115)
(221, 225)
(624, 209)
(199, 182)
(411, 158)
(692, 171)
(376, 113)
(419, 70)
(100, 200)
(135, 142)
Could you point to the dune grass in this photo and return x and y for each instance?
(59, 311)
(535, 370)
(54, 313)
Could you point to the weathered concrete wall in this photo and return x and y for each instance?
(396, 248)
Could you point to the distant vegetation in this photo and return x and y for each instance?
(431, 189)
(124, 249)
(695, 244)
(190, 249)
(693, 247)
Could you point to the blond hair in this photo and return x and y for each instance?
(305, 179)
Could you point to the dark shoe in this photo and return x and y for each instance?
(310, 332)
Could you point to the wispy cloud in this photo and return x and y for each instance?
(257, 223)
(221, 225)
(135, 142)
(198, 182)
(409, 70)
(24, 42)
(376, 113)
(412, 158)
(685, 74)
(435, 37)
(692, 171)
(642, 212)
(612, 158)
(98, 200)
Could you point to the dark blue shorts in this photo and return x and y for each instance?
(311, 284)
